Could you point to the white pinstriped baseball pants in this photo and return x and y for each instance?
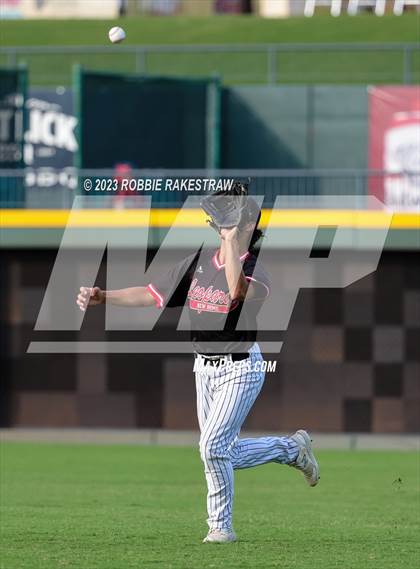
(224, 399)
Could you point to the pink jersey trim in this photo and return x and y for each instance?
(219, 265)
(156, 295)
(261, 283)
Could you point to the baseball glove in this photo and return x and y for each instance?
(228, 208)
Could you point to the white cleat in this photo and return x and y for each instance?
(220, 536)
(306, 461)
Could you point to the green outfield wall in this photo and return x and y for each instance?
(295, 127)
(148, 123)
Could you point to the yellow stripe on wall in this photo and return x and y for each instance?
(59, 218)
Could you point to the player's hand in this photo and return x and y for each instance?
(90, 297)
(230, 234)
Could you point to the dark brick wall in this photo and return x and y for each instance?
(350, 361)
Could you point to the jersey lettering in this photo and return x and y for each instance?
(209, 299)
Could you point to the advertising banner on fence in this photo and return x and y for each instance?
(11, 9)
(12, 100)
(394, 145)
(50, 139)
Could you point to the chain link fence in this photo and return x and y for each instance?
(57, 189)
(270, 64)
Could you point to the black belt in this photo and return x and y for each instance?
(214, 359)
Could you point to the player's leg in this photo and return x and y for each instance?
(204, 396)
(294, 451)
(247, 453)
(204, 402)
(233, 397)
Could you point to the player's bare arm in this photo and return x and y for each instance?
(232, 246)
(130, 297)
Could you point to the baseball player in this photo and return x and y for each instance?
(217, 287)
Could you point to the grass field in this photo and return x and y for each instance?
(217, 29)
(117, 507)
(248, 67)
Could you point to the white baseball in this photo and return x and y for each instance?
(116, 35)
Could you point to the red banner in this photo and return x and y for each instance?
(394, 145)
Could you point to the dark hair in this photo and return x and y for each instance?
(257, 234)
